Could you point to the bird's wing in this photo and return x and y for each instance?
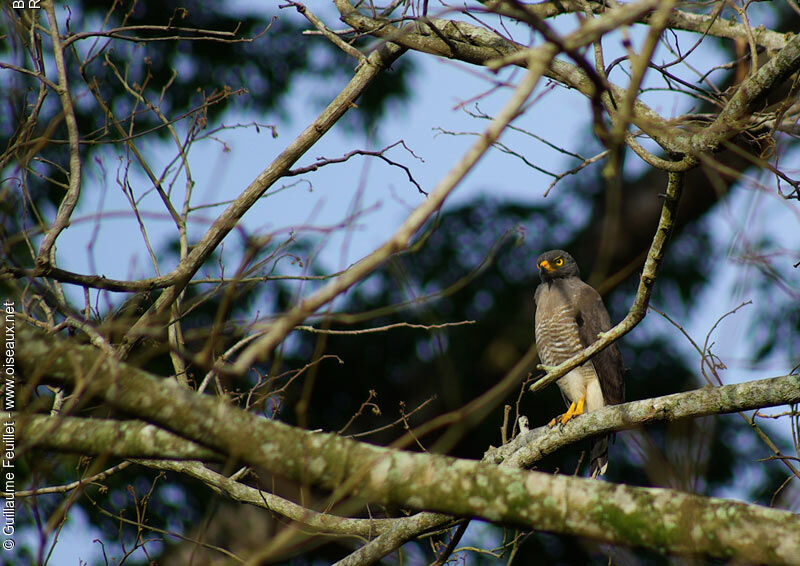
(592, 318)
(536, 294)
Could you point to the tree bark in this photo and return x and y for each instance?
(661, 519)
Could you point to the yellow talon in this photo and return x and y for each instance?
(574, 410)
(565, 418)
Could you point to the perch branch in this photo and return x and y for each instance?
(658, 518)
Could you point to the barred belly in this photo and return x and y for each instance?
(558, 339)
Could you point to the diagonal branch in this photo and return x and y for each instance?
(323, 522)
(379, 60)
(320, 25)
(259, 350)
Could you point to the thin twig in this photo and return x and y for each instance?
(322, 161)
(320, 25)
(70, 200)
(384, 328)
(83, 482)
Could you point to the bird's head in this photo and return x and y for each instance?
(556, 264)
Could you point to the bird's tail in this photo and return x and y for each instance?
(598, 457)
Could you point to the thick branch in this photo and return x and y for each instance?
(137, 439)
(107, 437)
(653, 518)
(530, 447)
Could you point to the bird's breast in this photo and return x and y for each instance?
(557, 336)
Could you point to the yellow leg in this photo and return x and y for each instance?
(565, 417)
(574, 410)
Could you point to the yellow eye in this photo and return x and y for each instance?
(559, 261)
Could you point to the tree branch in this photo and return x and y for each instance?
(479, 46)
(679, 19)
(527, 448)
(154, 447)
(530, 447)
(107, 437)
(323, 522)
(70, 200)
(259, 350)
(749, 98)
(378, 61)
(653, 518)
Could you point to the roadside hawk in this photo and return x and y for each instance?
(569, 316)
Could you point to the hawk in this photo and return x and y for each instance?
(569, 316)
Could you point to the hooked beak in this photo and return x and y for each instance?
(544, 264)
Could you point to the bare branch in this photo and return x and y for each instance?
(323, 522)
(320, 25)
(679, 19)
(377, 61)
(385, 328)
(81, 483)
(259, 350)
(322, 161)
(70, 200)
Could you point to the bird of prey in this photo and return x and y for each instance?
(569, 316)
